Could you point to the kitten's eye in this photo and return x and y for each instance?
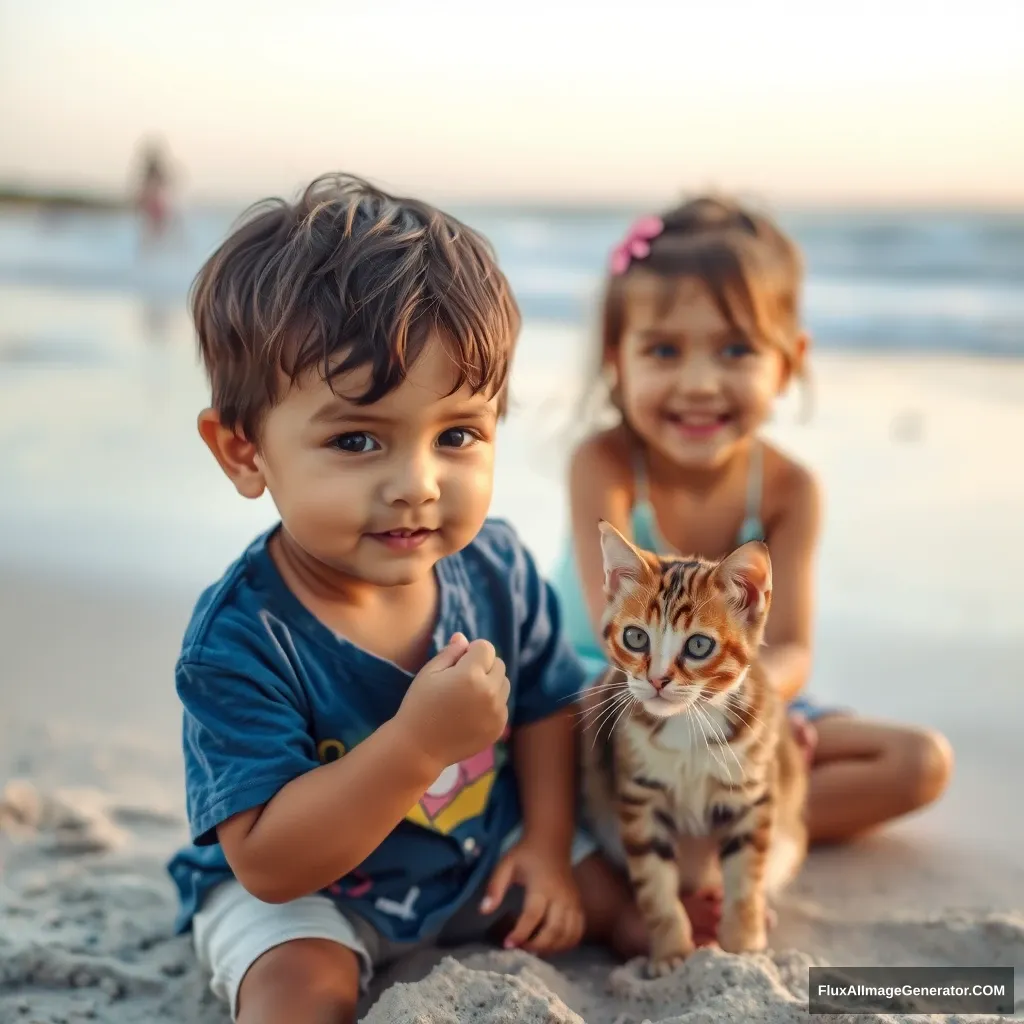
(635, 638)
(456, 437)
(356, 443)
(699, 646)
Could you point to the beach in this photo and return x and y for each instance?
(113, 516)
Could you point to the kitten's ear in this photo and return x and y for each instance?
(622, 561)
(746, 578)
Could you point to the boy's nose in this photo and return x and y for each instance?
(416, 483)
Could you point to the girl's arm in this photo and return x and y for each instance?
(792, 541)
(600, 487)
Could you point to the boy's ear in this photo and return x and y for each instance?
(235, 455)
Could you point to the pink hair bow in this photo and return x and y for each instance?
(636, 244)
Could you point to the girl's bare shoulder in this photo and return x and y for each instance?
(791, 489)
(607, 454)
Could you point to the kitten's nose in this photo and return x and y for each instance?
(661, 683)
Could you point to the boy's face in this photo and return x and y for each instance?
(381, 492)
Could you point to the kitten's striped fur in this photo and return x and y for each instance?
(692, 740)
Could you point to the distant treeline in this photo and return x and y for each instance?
(48, 199)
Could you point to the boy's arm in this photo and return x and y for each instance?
(290, 826)
(544, 757)
(550, 682)
(549, 678)
(786, 658)
(543, 753)
(327, 821)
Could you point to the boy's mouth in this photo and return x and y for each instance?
(402, 540)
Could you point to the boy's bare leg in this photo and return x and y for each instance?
(866, 773)
(305, 981)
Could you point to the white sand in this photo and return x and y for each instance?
(919, 618)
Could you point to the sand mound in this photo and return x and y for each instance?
(62, 821)
(85, 934)
(710, 987)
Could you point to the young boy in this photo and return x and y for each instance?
(377, 728)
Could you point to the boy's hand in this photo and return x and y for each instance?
(458, 703)
(551, 904)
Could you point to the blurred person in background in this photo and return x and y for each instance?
(153, 198)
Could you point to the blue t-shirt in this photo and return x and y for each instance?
(270, 692)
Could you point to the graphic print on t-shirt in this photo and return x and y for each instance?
(459, 794)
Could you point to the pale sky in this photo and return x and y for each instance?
(916, 101)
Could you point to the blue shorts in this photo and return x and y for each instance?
(813, 711)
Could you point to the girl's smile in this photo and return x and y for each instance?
(694, 385)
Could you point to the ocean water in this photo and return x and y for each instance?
(901, 280)
(102, 471)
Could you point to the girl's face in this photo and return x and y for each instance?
(693, 386)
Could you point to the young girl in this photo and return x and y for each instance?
(700, 335)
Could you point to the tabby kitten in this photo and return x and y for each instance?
(693, 741)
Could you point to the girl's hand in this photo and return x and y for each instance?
(552, 907)
(805, 734)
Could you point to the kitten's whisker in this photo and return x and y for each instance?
(591, 686)
(705, 719)
(745, 713)
(723, 741)
(586, 713)
(625, 708)
(699, 719)
(607, 713)
(698, 725)
(604, 710)
(596, 709)
(736, 704)
(602, 693)
(604, 725)
(613, 692)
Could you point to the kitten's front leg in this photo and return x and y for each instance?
(744, 855)
(647, 836)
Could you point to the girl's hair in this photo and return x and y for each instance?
(751, 269)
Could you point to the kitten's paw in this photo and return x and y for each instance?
(666, 959)
(659, 968)
(742, 940)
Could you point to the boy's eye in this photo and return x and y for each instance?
(356, 443)
(456, 437)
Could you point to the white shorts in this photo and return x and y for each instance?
(233, 929)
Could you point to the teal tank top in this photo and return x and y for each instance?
(646, 534)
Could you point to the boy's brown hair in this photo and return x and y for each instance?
(347, 276)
